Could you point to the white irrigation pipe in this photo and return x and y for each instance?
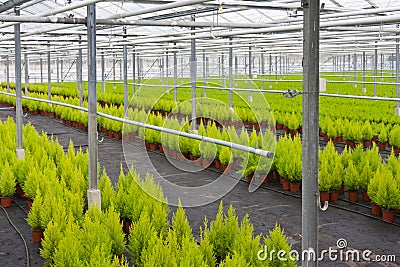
(260, 152)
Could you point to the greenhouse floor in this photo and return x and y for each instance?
(266, 206)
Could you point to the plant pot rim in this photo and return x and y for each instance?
(387, 210)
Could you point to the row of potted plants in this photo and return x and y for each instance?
(352, 131)
(75, 237)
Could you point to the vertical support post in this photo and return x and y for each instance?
(175, 75)
(382, 65)
(120, 70)
(161, 67)
(245, 66)
(397, 110)
(20, 152)
(113, 68)
(392, 67)
(93, 193)
(276, 69)
(344, 67)
(310, 194)
(355, 70)
(58, 71)
(139, 71)
(204, 66)
(79, 73)
(262, 70)
(364, 89)
(125, 71)
(204, 74)
(182, 67)
(230, 74)
(223, 69)
(8, 73)
(250, 97)
(193, 75)
(236, 67)
(61, 70)
(375, 67)
(26, 73)
(133, 71)
(48, 73)
(219, 68)
(103, 73)
(334, 63)
(280, 66)
(270, 71)
(41, 70)
(167, 71)
(349, 65)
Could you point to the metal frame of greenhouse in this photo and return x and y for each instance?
(116, 41)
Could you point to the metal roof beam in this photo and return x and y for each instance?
(11, 4)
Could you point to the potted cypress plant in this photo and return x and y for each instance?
(35, 218)
(324, 182)
(7, 186)
(225, 157)
(388, 197)
(293, 124)
(394, 139)
(373, 187)
(351, 181)
(293, 171)
(365, 177)
(382, 138)
(367, 134)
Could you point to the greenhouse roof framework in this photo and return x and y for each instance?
(262, 24)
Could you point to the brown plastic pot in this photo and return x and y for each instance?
(286, 185)
(6, 202)
(37, 235)
(375, 209)
(388, 215)
(324, 196)
(365, 197)
(294, 187)
(353, 196)
(334, 196)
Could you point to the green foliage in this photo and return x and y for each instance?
(235, 260)
(367, 131)
(113, 227)
(383, 136)
(206, 246)
(222, 232)
(225, 155)
(366, 174)
(7, 181)
(140, 235)
(36, 213)
(324, 178)
(293, 164)
(158, 254)
(107, 192)
(351, 179)
(373, 185)
(181, 226)
(394, 136)
(69, 250)
(276, 241)
(388, 194)
(294, 121)
(50, 242)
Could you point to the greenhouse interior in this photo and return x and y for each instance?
(199, 133)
